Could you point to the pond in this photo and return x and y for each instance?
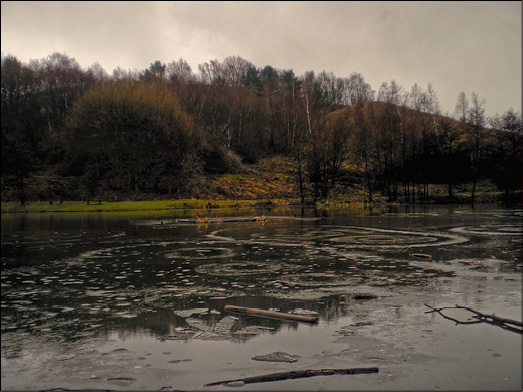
(136, 301)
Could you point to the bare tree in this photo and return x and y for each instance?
(120, 74)
(211, 72)
(362, 143)
(98, 72)
(392, 94)
(357, 89)
(462, 107)
(431, 100)
(234, 69)
(179, 69)
(477, 121)
(416, 98)
(449, 136)
(508, 150)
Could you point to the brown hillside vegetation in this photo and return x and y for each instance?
(401, 150)
(270, 178)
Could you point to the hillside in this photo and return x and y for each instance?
(265, 134)
(273, 178)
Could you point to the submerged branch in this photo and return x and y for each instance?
(493, 317)
(294, 374)
(480, 318)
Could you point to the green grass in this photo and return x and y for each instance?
(486, 192)
(152, 205)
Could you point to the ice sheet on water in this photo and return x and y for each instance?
(278, 356)
(189, 312)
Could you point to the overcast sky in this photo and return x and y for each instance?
(456, 46)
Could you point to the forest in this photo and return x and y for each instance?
(70, 133)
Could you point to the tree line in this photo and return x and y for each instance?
(73, 133)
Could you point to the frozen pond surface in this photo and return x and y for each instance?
(136, 301)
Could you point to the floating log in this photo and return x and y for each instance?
(270, 314)
(421, 256)
(365, 296)
(292, 375)
(215, 220)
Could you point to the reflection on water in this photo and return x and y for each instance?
(204, 317)
(77, 276)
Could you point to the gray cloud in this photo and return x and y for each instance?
(456, 46)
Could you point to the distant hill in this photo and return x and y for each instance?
(241, 132)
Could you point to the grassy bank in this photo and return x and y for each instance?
(356, 200)
(82, 206)
(270, 181)
(150, 205)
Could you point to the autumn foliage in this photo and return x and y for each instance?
(134, 136)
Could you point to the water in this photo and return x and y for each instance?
(136, 301)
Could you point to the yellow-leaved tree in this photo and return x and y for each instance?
(134, 136)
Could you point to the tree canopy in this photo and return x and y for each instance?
(74, 133)
(135, 136)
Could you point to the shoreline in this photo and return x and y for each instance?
(188, 204)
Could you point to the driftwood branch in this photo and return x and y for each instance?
(493, 317)
(270, 314)
(439, 310)
(294, 374)
(480, 318)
